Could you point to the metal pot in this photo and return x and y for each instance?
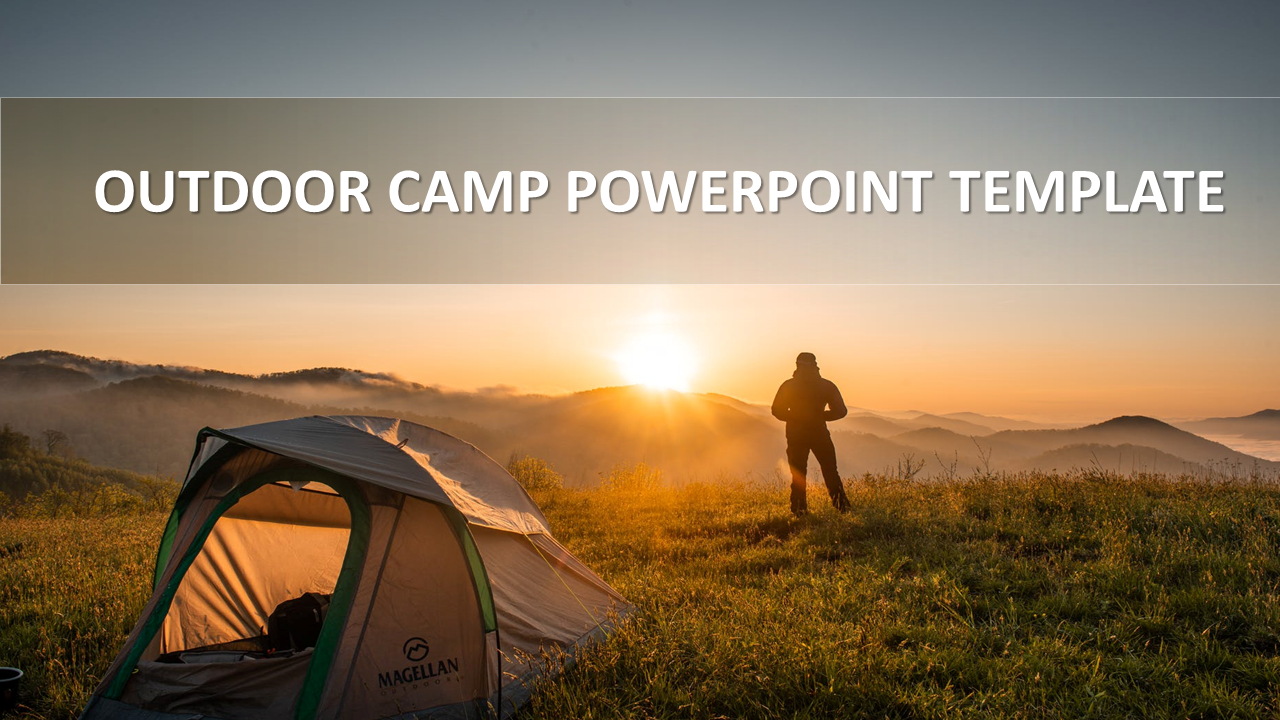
(9, 679)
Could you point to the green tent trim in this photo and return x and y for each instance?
(339, 604)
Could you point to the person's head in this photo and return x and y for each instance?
(806, 362)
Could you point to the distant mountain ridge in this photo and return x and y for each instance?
(144, 418)
(28, 380)
(109, 371)
(1134, 431)
(999, 423)
(1262, 425)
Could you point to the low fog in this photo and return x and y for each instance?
(144, 418)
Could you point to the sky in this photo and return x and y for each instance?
(635, 48)
(1050, 352)
(1053, 351)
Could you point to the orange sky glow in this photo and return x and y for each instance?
(1064, 353)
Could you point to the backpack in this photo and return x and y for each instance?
(295, 624)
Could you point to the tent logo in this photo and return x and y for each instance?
(420, 672)
(416, 649)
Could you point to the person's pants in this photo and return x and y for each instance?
(798, 449)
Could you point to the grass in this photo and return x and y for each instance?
(70, 591)
(1040, 596)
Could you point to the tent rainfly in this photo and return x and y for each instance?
(351, 567)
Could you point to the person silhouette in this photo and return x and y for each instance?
(806, 403)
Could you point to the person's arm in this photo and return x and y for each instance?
(836, 403)
(781, 408)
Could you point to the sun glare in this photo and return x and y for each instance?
(658, 361)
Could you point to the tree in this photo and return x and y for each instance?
(53, 440)
(13, 444)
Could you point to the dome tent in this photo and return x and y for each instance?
(446, 594)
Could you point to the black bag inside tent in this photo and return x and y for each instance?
(295, 624)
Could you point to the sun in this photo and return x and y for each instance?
(657, 360)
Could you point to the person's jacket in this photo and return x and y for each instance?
(808, 401)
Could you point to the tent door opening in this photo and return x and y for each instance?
(244, 616)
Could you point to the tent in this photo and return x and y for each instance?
(431, 578)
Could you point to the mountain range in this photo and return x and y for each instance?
(143, 417)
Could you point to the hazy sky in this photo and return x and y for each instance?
(1068, 353)
(634, 47)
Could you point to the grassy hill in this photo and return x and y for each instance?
(35, 483)
(1031, 596)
